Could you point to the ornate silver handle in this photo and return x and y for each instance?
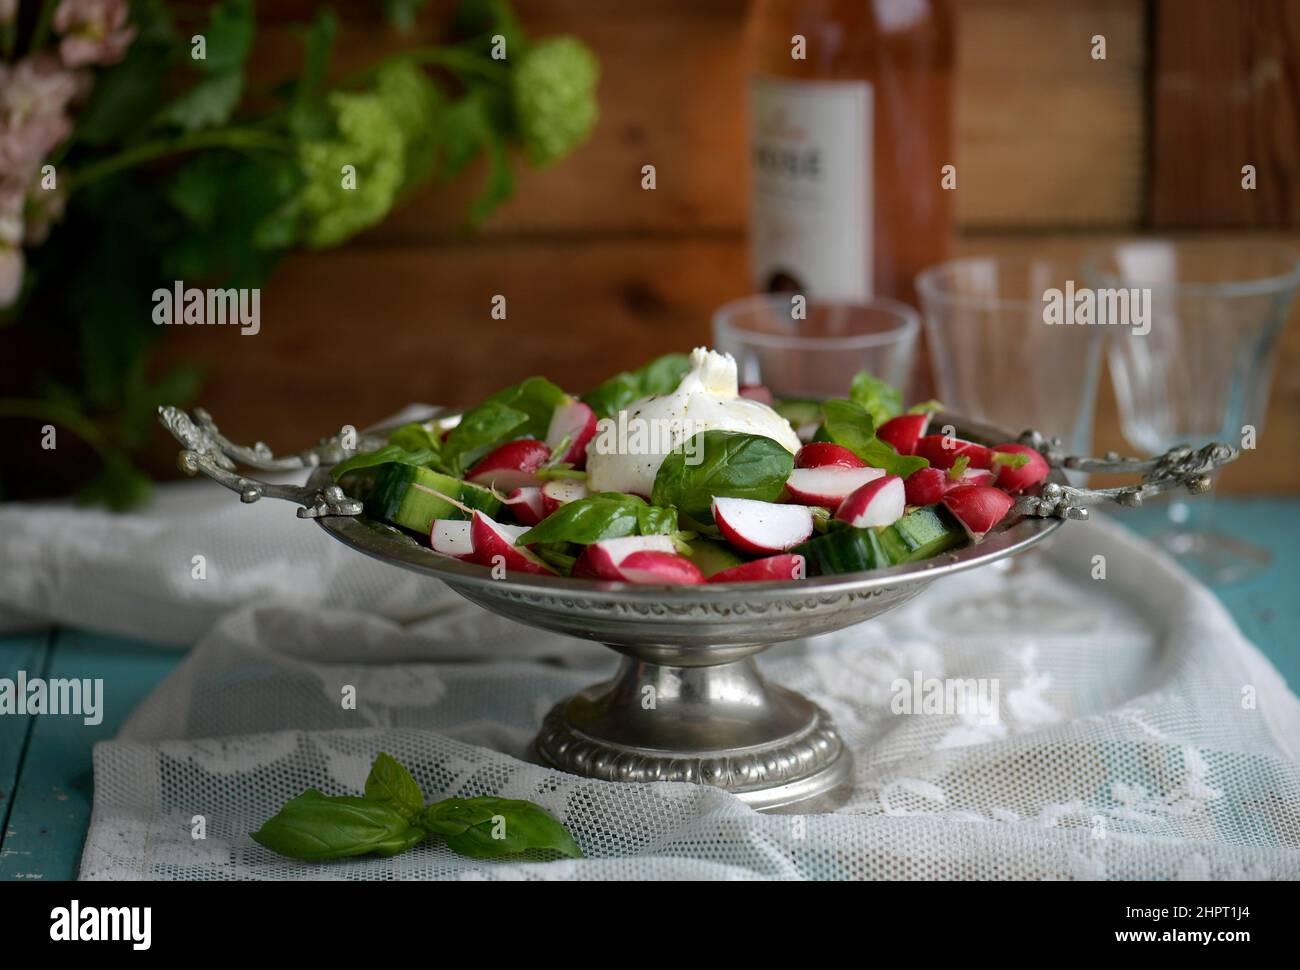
(208, 451)
(1181, 468)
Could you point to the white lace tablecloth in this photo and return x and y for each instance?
(1147, 740)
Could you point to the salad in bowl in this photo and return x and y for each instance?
(677, 474)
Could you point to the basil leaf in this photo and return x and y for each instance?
(489, 827)
(480, 428)
(383, 456)
(537, 398)
(660, 376)
(316, 827)
(732, 464)
(605, 515)
(415, 436)
(653, 520)
(392, 784)
(850, 425)
(663, 374)
(613, 395)
(877, 398)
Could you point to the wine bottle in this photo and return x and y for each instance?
(850, 128)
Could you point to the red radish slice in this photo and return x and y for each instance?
(492, 540)
(975, 476)
(978, 507)
(904, 431)
(451, 537)
(927, 486)
(828, 486)
(933, 449)
(787, 566)
(652, 567)
(577, 421)
(761, 527)
(559, 492)
(1027, 475)
(601, 560)
(757, 392)
(824, 454)
(875, 504)
(527, 505)
(512, 465)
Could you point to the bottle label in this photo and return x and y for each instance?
(811, 193)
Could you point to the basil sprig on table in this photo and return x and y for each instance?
(605, 515)
(721, 463)
(848, 424)
(391, 817)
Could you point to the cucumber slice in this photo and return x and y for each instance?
(799, 411)
(921, 534)
(712, 557)
(845, 550)
(395, 499)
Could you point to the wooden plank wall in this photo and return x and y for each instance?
(600, 275)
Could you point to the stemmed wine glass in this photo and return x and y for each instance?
(1200, 367)
(997, 360)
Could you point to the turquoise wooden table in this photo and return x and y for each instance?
(46, 783)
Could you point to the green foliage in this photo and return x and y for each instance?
(554, 97)
(605, 515)
(213, 184)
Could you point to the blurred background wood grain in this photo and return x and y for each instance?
(1053, 149)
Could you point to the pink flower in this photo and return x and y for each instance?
(94, 31)
(11, 248)
(34, 97)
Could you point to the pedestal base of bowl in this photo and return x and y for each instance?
(720, 725)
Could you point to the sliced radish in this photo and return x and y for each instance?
(451, 537)
(652, 567)
(527, 505)
(789, 565)
(761, 527)
(904, 431)
(824, 454)
(942, 451)
(978, 507)
(561, 491)
(512, 465)
(927, 486)
(1027, 475)
(601, 560)
(577, 422)
(492, 540)
(828, 486)
(875, 504)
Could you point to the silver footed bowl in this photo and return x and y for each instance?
(688, 702)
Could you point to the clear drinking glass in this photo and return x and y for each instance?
(812, 349)
(1202, 371)
(996, 360)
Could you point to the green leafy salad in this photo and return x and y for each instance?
(677, 474)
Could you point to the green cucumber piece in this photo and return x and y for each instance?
(921, 534)
(845, 550)
(395, 498)
(712, 557)
(799, 411)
